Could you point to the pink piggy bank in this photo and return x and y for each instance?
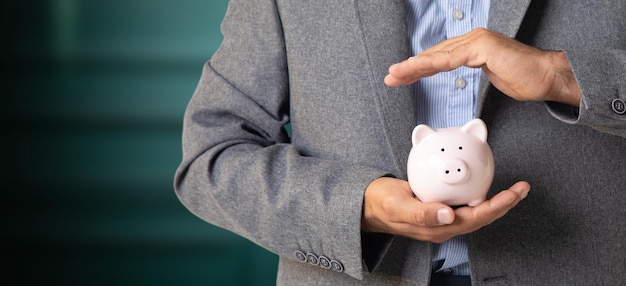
(451, 165)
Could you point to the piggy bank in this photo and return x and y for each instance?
(451, 165)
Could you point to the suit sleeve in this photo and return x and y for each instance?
(601, 76)
(240, 172)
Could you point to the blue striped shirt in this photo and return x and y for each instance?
(446, 99)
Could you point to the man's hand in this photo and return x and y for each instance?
(520, 71)
(390, 207)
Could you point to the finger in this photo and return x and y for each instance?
(451, 56)
(521, 188)
(487, 212)
(403, 73)
(430, 63)
(471, 49)
(408, 72)
(392, 81)
(502, 202)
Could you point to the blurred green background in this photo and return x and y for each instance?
(92, 103)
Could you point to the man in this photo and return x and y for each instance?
(332, 199)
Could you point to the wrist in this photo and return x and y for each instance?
(565, 87)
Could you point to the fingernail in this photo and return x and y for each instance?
(524, 193)
(444, 216)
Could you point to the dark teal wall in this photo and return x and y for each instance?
(92, 109)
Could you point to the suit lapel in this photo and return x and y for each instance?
(505, 17)
(385, 38)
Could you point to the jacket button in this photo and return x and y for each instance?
(336, 265)
(619, 106)
(312, 259)
(324, 262)
(300, 256)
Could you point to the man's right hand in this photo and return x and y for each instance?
(390, 207)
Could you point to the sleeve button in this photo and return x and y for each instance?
(336, 265)
(312, 259)
(300, 256)
(619, 106)
(324, 262)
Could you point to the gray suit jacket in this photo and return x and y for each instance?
(320, 66)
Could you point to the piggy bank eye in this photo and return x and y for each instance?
(442, 149)
(460, 147)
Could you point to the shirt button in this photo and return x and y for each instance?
(619, 106)
(460, 83)
(457, 14)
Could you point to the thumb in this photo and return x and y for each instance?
(430, 214)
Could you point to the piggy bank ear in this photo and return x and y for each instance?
(476, 127)
(420, 132)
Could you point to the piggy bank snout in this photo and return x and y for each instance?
(454, 171)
